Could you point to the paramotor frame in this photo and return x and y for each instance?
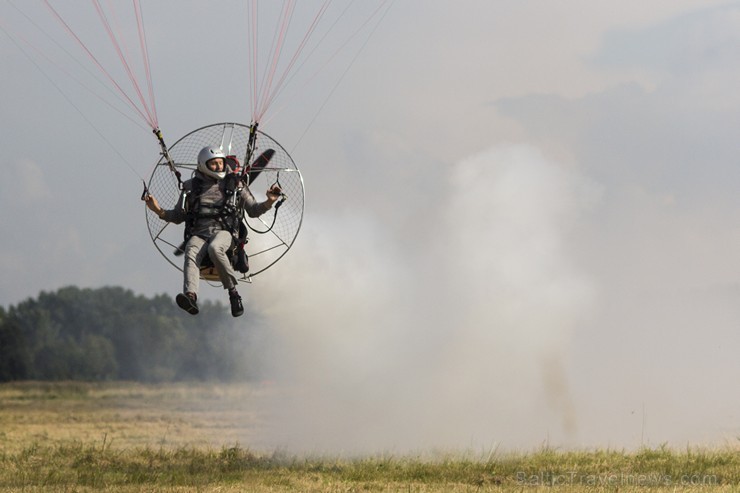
(272, 234)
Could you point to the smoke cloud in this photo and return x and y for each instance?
(387, 344)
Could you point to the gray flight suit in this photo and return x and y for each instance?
(207, 235)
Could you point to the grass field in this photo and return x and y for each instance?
(132, 437)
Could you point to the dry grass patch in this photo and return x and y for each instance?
(132, 437)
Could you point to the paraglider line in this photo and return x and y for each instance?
(344, 74)
(294, 59)
(150, 116)
(283, 22)
(145, 56)
(95, 60)
(82, 114)
(70, 74)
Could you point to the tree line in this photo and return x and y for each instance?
(112, 334)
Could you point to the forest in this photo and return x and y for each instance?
(110, 333)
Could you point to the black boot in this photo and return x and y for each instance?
(237, 309)
(188, 302)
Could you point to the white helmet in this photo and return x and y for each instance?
(205, 155)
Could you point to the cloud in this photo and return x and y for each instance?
(680, 44)
(661, 140)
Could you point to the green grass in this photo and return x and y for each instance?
(103, 468)
(41, 450)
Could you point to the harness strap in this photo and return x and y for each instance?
(226, 212)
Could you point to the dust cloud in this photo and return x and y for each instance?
(448, 334)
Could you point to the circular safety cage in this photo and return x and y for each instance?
(272, 234)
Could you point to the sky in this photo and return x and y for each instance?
(521, 223)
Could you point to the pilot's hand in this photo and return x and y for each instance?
(153, 204)
(274, 193)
